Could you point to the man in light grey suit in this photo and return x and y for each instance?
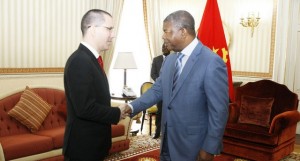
(195, 106)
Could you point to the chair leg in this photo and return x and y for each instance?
(143, 118)
(150, 124)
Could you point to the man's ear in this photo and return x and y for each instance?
(183, 32)
(92, 31)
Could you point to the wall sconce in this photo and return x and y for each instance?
(252, 21)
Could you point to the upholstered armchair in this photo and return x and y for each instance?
(262, 122)
(150, 111)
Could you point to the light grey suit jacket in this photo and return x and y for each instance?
(195, 113)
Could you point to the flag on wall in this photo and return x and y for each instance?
(211, 34)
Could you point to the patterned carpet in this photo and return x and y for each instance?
(139, 144)
(294, 156)
(142, 144)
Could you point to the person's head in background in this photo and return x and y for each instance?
(179, 30)
(165, 50)
(96, 28)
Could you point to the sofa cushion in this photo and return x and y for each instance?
(31, 110)
(57, 135)
(22, 145)
(256, 111)
(62, 110)
(117, 130)
(251, 133)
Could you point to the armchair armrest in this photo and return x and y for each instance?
(127, 124)
(2, 157)
(234, 112)
(284, 120)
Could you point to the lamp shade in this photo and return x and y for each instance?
(125, 60)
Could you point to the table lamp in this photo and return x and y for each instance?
(125, 60)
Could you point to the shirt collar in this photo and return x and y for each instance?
(95, 53)
(187, 51)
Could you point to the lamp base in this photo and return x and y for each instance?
(127, 91)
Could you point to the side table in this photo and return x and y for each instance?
(122, 97)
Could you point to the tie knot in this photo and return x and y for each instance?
(99, 58)
(180, 56)
(100, 61)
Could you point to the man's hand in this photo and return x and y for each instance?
(128, 109)
(122, 108)
(204, 156)
(125, 110)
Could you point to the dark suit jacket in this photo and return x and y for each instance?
(156, 65)
(89, 112)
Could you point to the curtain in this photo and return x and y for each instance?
(156, 11)
(115, 7)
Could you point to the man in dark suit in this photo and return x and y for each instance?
(193, 85)
(155, 70)
(89, 112)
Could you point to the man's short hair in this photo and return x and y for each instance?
(182, 19)
(92, 17)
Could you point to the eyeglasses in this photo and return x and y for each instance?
(110, 29)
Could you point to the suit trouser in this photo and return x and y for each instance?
(165, 155)
(70, 159)
(158, 118)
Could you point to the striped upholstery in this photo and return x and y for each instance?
(31, 110)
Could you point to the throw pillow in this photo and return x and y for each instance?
(31, 110)
(255, 110)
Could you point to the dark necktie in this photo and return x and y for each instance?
(178, 66)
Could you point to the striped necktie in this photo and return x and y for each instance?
(178, 66)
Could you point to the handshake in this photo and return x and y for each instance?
(125, 110)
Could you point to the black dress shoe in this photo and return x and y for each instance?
(155, 136)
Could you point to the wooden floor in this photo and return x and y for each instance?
(146, 131)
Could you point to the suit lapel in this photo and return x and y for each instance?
(187, 68)
(172, 58)
(94, 61)
(161, 59)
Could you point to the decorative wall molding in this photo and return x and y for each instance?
(31, 76)
(253, 74)
(30, 70)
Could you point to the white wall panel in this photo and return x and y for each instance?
(251, 56)
(41, 33)
(38, 33)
